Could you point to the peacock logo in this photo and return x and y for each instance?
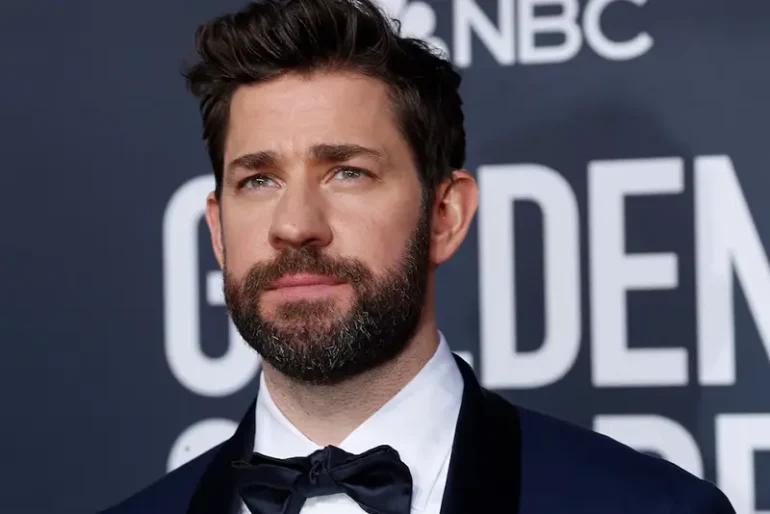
(418, 20)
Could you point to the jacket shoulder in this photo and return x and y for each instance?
(565, 467)
(170, 494)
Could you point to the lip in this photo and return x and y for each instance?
(304, 280)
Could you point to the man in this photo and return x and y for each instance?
(338, 150)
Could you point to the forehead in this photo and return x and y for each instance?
(294, 112)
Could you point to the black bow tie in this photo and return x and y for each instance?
(377, 480)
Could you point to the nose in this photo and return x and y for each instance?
(299, 219)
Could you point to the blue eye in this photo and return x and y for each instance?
(257, 182)
(349, 173)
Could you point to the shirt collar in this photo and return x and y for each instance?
(419, 422)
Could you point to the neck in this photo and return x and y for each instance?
(328, 414)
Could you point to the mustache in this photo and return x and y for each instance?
(307, 259)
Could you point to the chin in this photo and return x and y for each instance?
(300, 310)
(314, 325)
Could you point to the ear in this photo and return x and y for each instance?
(456, 203)
(214, 221)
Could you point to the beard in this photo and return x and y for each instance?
(312, 341)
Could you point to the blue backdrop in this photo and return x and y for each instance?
(616, 276)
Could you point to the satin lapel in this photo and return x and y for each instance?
(216, 489)
(484, 470)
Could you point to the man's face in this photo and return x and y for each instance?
(321, 227)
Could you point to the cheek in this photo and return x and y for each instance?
(378, 237)
(245, 241)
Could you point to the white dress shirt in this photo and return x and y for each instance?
(419, 422)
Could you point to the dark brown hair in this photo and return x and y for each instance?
(272, 37)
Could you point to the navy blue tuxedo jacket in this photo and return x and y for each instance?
(505, 459)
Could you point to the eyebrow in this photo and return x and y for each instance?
(254, 161)
(341, 152)
(329, 153)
